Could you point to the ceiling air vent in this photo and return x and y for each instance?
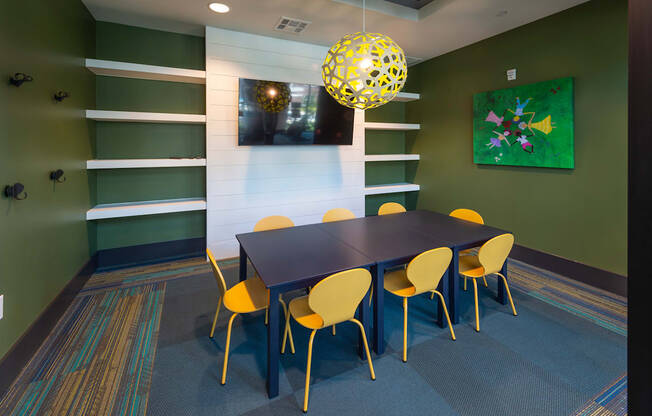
(292, 25)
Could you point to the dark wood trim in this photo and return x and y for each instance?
(613, 282)
(116, 258)
(639, 217)
(22, 351)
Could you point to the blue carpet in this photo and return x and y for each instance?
(545, 361)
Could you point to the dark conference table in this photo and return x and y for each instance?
(298, 257)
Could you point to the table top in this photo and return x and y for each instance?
(459, 233)
(291, 257)
(383, 238)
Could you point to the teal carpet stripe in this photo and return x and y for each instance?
(575, 311)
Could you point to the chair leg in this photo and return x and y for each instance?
(366, 348)
(305, 397)
(509, 294)
(288, 329)
(217, 312)
(405, 312)
(477, 315)
(266, 316)
(448, 319)
(333, 330)
(226, 351)
(484, 279)
(465, 284)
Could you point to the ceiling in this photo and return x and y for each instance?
(439, 27)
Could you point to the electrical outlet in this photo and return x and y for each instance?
(511, 74)
(2, 298)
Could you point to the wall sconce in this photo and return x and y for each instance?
(59, 96)
(14, 191)
(19, 78)
(56, 176)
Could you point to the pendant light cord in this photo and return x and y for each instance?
(363, 16)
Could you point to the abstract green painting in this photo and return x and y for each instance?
(530, 125)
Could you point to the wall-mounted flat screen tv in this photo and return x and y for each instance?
(287, 113)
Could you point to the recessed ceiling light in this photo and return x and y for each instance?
(219, 7)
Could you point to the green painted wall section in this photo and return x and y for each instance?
(578, 214)
(140, 140)
(387, 142)
(151, 47)
(43, 242)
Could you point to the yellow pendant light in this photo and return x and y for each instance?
(364, 70)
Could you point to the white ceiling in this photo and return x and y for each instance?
(440, 27)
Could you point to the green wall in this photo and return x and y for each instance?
(43, 240)
(578, 214)
(141, 140)
(387, 142)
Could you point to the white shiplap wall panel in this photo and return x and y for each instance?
(246, 183)
(243, 201)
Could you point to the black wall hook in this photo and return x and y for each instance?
(59, 96)
(19, 78)
(56, 176)
(14, 191)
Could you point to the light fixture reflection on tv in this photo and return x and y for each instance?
(287, 113)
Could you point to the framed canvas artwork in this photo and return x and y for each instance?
(530, 125)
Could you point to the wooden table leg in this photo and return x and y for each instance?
(378, 274)
(243, 264)
(273, 347)
(502, 293)
(454, 288)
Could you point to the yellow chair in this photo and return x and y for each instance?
(338, 214)
(273, 222)
(467, 215)
(490, 260)
(391, 208)
(333, 300)
(248, 296)
(471, 216)
(421, 275)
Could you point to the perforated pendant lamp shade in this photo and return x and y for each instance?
(364, 70)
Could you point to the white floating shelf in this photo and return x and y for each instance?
(133, 209)
(140, 117)
(391, 126)
(406, 96)
(139, 71)
(391, 188)
(389, 158)
(142, 163)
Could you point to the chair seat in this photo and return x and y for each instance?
(300, 310)
(470, 267)
(397, 283)
(248, 296)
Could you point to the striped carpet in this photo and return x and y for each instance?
(612, 401)
(99, 358)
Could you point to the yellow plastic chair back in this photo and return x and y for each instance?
(467, 215)
(426, 270)
(337, 214)
(273, 222)
(493, 253)
(391, 208)
(337, 297)
(217, 273)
